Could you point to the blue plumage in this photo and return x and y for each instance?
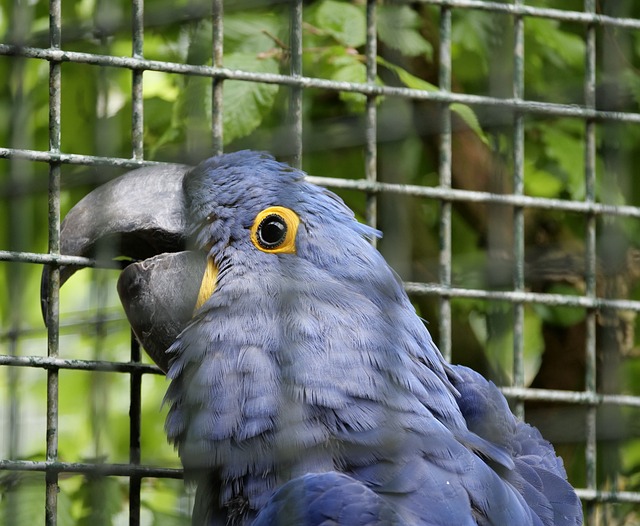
(306, 390)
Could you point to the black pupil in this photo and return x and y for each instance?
(272, 231)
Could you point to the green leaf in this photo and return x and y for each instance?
(409, 80)
(344, 21)
(541, 183)
(356, 72)
(398, 28)
(251, 32)
(102, 499)
(247, 103)
(470, 36)
(557, 46)
(161, 85)
(470, 118)
(462, 110)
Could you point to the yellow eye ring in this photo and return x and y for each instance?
(274, 230)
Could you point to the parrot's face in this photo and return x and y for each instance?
(242, 216)
(252, 207)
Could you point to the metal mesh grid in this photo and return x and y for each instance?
(444, 193)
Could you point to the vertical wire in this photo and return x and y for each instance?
(217, 15)
(518, 211)
(135, 378)
(590, 255)
(295, 97)
(137, 102)
(135, 417)
(51, 503)
(371, 152)
(444, 171)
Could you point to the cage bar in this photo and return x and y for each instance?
(135, 383)
(137, 101)
(217, 106)
(444, 174)
(590, 255)
(518, 211)
(443, 193)
(517, 8)
(371, 119)
(55, 30)
(295, 94)
(525, 106)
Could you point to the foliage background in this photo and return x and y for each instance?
(96, 120)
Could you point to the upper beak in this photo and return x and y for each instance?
(138, 216)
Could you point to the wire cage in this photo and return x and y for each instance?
(491, 142)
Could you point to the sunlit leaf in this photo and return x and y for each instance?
(409, 80)
(541, 183)
(462, 110)
(560, 47)
(246, 103)
(345, 21)
(355, 101)
(470, 118)
(252, 32)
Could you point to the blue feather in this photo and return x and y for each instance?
(306, 390)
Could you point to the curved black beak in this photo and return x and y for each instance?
(138, 216)
(159, 296)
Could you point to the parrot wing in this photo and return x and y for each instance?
(325, 499)
(538, 473)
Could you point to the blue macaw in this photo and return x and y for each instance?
(304, 389)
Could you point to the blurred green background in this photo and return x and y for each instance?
(96, 121)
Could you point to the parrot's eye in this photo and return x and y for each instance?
(274, 230)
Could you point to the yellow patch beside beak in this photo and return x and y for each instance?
(208, 285)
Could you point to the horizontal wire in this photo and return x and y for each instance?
(524, 106)
(569, 397)
(46, 362)
(543, 298)
(539, 12)
(608, 496)
(74, 159)
(471, 196)
(435, 192)
(119, 470)
(33, 257)
(518, 393)
(127, 470)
